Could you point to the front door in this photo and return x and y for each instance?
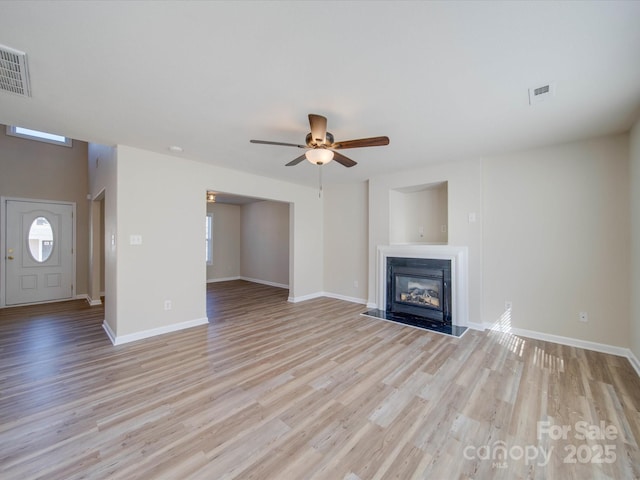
(39, 254)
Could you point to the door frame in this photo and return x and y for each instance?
(3, 247)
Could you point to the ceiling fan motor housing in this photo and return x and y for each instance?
(312, 143)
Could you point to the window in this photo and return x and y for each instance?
(38, 135)
(209, 238)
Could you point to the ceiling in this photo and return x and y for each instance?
(444, 80)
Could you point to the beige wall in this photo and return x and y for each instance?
(464, 183)
(43, 171)
(557, 241)
(161, 199)
(103, 187)
(264, 254)
(226, 241)
(345, 237)
(635, 241)
(418, 215)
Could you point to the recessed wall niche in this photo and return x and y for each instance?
(419, 214)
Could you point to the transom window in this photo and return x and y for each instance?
(46, 137)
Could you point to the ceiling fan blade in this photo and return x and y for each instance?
(318, 125)
(362, 142)
(342, 160)
(296, 161)
(266, 142)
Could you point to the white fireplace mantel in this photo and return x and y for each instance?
(459, 274)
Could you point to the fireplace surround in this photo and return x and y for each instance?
(458, 308)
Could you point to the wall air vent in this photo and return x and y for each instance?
(541, 93)
(14, 74)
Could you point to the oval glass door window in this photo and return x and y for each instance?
(40, 239)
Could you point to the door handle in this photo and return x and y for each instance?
(9, 257)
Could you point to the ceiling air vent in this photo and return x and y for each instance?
(14, 75)
(541, 93)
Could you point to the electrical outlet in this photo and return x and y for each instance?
(355, 283)
(583, 317)
(168, 305)
(508, 305)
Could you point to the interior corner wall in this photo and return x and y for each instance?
(264, 252)
(226, 241)
(345, 233)
(635, 239)
(103, 181)
(557, 240)
(43, 171)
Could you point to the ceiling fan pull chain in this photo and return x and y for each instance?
(319, 181)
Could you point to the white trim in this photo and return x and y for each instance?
(93, 303)
(265, 282)
(337, 296)
(303, 298)
(476, 326)
(110, 334)
(635, 363)
(227, 279)
(459, 274)
(570, 342)
(132, 337)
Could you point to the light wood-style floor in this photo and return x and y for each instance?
(273, 390)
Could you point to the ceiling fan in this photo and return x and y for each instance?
(320, 145)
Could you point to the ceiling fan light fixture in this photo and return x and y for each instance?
(319, 156)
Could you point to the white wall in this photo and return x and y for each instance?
(345, 238)
(161, 198)
(226, 241)
(264, 253)
(557, 239)
(634, 337)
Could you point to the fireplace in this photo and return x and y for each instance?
(431, 283)
(419, 288)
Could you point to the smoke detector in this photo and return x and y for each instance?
(541, 93)
(14, 74)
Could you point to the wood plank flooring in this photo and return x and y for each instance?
(274, 390)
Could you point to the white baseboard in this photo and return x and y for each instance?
(575, 342)
(132, 337)
(92, 302)
(337, 296)
(110, 334)
(264, 282)
(227, 279)
(571, 342)
(635, 363)
(303, 298)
